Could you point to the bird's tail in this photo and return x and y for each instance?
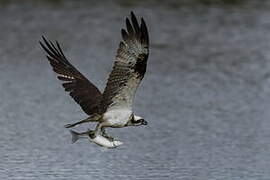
(75, 136)
(94, 118)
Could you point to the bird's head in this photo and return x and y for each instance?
(138, 121)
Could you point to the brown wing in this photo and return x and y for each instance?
(81, 89)
(129, 67)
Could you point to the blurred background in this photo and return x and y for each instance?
(206, 94)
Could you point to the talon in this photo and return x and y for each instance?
(91, 134)
(110, 138)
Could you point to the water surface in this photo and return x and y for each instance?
(206, 94)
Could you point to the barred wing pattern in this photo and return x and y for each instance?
(129, 67)
(81, 89)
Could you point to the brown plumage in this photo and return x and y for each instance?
(79, 87)
(128, 70)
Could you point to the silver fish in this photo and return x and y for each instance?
(98, 139)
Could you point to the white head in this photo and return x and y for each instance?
(137, 121)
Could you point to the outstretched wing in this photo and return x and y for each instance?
(81, 89)
(129, 67)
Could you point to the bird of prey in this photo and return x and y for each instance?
(113, 107)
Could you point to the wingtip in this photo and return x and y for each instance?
(124, 34)
(42, 45)
(127, 19)
(40, 41)
(142, 20)
(46, 41)
(44, 38)
(144, 30)
(143, 25)
(133, 17)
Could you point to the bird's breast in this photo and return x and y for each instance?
(117, 117)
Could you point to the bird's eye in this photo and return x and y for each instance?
(132, 119)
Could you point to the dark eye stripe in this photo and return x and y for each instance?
(132, 118)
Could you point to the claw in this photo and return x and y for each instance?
(104, 134)
(91, 133)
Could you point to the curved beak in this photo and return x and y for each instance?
(144, 122)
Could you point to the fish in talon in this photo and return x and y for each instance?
(105, 142)
(97, 139)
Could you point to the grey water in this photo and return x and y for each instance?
(206, 93)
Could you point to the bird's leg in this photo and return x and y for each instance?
(104, 134)
(91, 133)
(100, 130)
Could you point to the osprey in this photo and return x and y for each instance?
(113, 107)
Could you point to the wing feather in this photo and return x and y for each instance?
(129, 67)
(80, 88)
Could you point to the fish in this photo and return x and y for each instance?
(97, 139)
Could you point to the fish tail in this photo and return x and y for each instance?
(75, 135)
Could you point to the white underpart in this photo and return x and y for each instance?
(117, 117)
(102, 141)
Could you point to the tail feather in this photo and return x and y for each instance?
(94, 118)
(75, 135)
(72, 125)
